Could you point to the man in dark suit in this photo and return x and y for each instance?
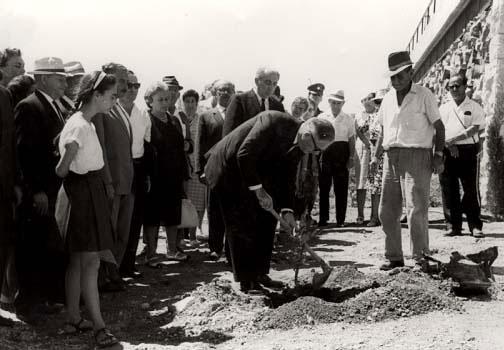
(38, 122)
(115, 135)
(244, 106)
(256, 160)
(10, 196)
(209, 133)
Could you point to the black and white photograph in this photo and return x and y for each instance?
(252, 174)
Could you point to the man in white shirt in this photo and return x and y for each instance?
(141, 133)
(409, 119)
(463, 119)
(336, 160)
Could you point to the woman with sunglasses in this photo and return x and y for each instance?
(89, 229)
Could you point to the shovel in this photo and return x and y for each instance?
(318, 278)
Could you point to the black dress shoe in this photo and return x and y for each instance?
(404, 219)
(453, 233)
(214, 256)
(266, 281)
(322, 223)
(251, 288)
(131, 274)
(392, 265)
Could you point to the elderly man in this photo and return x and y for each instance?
(38, 122)
(247, 105)
(141, 133)
(336, 160)
(410, 121)
(115, 135)
(315, 94)
(463, 119)
(253, 170)
(209, 133)
(11, 65)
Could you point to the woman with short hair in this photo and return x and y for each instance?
(89, 230)
(11, 65)
(164, 200)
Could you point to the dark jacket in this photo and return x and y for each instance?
(209, 133)
(115, 140)
(37, 129)
(260, 151)
(244, 106)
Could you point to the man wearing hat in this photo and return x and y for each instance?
(315, 94)
(336, 160)
(410, 125)
(244, 106)
(74, 71)
(115, 134)
(39, 121)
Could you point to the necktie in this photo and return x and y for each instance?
(58, 111)
(263, 105)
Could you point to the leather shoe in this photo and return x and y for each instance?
(322, 223)
(477, 233)
(392, 265)
(251, 288)
(266, 281)
(453, 233)
(214, 256)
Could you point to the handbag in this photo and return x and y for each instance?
(189, 217)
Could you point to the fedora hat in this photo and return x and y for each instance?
(170, 80)
(49, 65)
(398, 61)
(74, 68)
(337, 96)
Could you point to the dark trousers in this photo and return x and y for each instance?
(215, 223)
(249, 233)
(334, 172)
(139, 193)
(464, 168)
(40, 257)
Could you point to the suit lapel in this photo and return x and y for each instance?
(253, 102)
(116, 114)
(49, 110)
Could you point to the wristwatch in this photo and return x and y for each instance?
(438, 153)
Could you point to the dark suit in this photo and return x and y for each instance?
(115, 139)
(244, 106)
(260, 151)
(208, 134)
(7, 199)
(39, 248)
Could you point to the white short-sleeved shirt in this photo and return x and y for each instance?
(411, 124)
(343, 124)
(141, 129)
(456, 119)
(89, 157)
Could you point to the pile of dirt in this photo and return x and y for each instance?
(402, 295)
(216, 307)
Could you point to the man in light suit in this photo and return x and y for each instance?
(253, 170)
(209, 133)
(39, 248)
(115, 135)
(244, 106)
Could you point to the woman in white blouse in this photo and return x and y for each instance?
(89, 229)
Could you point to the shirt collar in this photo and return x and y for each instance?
(220, 109)
(259, 98)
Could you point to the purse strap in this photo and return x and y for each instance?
(460, 121)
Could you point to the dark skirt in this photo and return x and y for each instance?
(89, 227)
(159, 210)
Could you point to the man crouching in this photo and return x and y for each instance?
(253, 169)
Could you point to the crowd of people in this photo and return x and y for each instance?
(86, 172)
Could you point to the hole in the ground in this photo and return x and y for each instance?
(332, 295)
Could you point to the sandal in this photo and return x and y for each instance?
(104, 338)
(153, 264)
(81, 326)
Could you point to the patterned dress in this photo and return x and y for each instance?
(361, 151)
(196, 191)
(374, 183)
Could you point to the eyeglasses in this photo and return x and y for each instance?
(135, 86)
(454, 87)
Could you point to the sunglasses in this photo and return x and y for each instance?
(135, 86)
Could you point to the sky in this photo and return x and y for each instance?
(340, 43)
